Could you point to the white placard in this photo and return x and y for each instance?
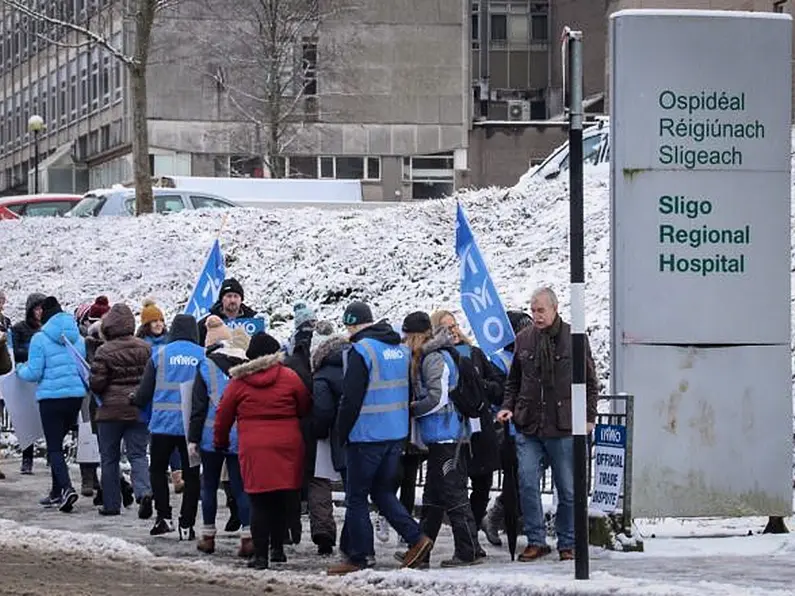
(20, 401)
(324, 464)
(609, 454)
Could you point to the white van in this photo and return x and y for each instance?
(595, 151)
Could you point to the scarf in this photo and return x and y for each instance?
(545, 352)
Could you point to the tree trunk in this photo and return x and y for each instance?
(144, 199)
(775, 525)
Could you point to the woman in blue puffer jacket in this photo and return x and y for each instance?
(60, 392)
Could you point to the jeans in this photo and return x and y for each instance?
(162, 446)
(446, 492)
(58, 416)
(136, 437)
(559, 453)
(212, 464)
(371, 470)
(269, 520)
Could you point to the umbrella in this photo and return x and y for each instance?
(510, 491)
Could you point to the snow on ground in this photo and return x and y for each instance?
(675, 565)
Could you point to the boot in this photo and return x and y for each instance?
(492, 522)
(186, 532)
(87, 480)
(277, 555)
(177, 482)
(206, 544)
(246, 549)
(2, 476)
(233, 525)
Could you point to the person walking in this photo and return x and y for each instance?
(223, 353)
(267, 400)
(116, 371)
(174, 364)
(59, 392)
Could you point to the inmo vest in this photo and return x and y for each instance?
(384, 415)
(175, 363)
(445, 424)
(216, 382)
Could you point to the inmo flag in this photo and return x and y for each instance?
(479, 298)
(205, 292)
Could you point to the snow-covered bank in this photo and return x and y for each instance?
(398, 258)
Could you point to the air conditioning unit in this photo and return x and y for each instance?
(518, 110)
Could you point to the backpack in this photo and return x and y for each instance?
(469, 396)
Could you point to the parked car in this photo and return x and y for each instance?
(595, 151)
(37, 205)
(121, 201)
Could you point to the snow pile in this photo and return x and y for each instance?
(398, 259)
(13, 535)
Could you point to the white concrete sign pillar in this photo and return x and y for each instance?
(700, 183)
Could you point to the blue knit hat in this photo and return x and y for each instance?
(303, 314)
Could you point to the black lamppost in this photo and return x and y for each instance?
(36, 125)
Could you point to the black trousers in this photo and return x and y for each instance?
(446, 492)
(269, 512)
(479, 497)
(406, 482)
(160, 450)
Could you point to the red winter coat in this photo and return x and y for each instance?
(267, 399)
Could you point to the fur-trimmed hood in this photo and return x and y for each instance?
(330, 350)
(441, 339)
(256, 366)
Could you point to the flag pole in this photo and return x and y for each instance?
(223, 225)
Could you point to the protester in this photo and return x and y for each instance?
(59, 392)
(116, 371)
(443, 429)
(174, 364)
(327, 350)
(5, 358)
(21, 334)
(495, 518)
(373, 424)
(266, 399)
(211, 381)
(153, 330)
(228, 307)
(538, 400)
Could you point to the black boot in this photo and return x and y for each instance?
(233, 525)
(258, 562)
(277, 555)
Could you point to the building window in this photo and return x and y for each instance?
(540, 27)
(327, 167)
(499, 27)
(104, 141)
(349, 168)
(72, 69)
(83, 65)
(94, 81)
(373, 168)
(431, 176)
(302, 167)
(104, 83)
(334, 167)
(309, 66)
(475, 25)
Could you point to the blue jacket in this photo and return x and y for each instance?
(50, 364)
(157, 342)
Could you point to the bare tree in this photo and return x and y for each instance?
(273, 56)
(143, 13)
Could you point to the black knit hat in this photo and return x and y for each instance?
(231, 285)
(519, 320)
(417, 322)
(262, 344)
(357, 313)
(49, 308)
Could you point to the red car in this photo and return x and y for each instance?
(37, 205)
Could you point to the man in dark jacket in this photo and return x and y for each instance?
(538, 400)
(373, 423)
(229, 306)
(21, 334)
(116, 370)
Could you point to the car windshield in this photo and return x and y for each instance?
(88, 206)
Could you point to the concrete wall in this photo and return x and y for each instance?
(499, 155)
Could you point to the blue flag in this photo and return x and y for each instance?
(479, 298)
(205, 292)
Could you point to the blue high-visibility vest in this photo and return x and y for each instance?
(384, 415)
(445, 424)
(175, 364)
(216, 382)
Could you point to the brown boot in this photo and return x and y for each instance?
(344, 568)
(566, 554)
(177, 482)
(533, 552)
(246, 549)
(417, 553)
(206, 544)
